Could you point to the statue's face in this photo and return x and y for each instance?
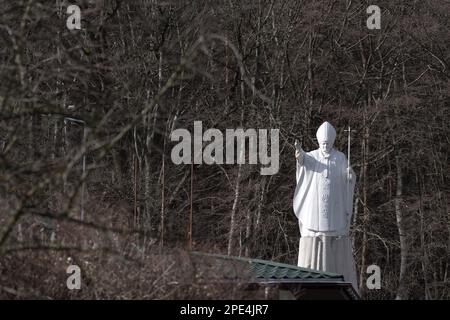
(325, 146)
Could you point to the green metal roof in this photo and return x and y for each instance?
(264, 270)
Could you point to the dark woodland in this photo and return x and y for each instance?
(86, 175)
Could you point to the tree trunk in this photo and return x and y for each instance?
(234, 208)
(365, 211)
(402, 292)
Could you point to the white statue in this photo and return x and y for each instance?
(323, 205)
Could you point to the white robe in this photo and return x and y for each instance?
(323, 204)
(323, 196)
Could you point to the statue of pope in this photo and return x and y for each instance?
(323, 205)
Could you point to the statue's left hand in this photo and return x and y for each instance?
(349, 174)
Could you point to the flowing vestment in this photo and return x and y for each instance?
(323, 204)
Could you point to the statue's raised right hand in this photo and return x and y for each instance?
(298, 150)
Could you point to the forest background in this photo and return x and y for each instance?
(86, 176)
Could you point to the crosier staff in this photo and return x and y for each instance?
(348, 154)
(348, 167)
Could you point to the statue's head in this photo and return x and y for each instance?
(326, 134)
